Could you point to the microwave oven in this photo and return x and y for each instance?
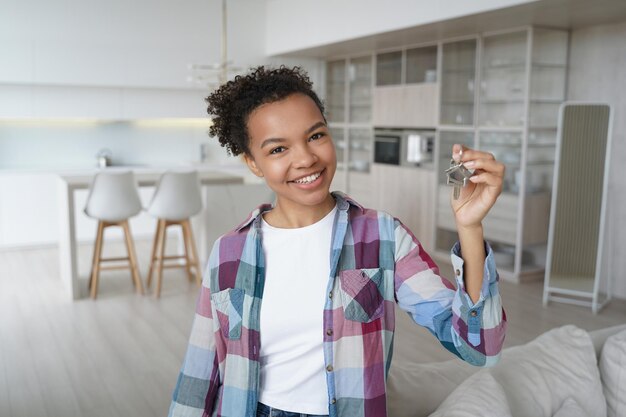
(405, 147)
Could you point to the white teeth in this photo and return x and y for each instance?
(309, 179)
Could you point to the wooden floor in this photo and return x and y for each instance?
(119, 356)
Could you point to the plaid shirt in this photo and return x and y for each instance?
(375, 261)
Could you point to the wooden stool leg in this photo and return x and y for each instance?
(188, 260)
(161, 257)
(153, 256)
(194, 252)
(130, 247)
(95, 267)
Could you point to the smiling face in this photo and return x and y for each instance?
(291, 147)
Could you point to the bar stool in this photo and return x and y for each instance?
(113, 199)
(175, 200)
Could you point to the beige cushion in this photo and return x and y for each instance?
(613, 371)
(570, 408)
(417, 389)
(479, 395)
(539, 376)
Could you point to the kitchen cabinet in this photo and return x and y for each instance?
(389, 68)
(413, 106)
(349, 112)
(458, 77)
(335, 101)
(421, 65)
(406, 93)
(512, 114)
(360, 90)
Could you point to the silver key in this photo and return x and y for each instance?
(457, 176)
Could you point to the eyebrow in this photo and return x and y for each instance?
(306, 132)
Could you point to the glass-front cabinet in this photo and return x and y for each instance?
(336, 91)
(458, 78)
(349, 114)
(521, 81)
(503, 78)
(360, 89)
(421, 65)
(389, 68)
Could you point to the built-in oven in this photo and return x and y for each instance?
(387, 147)
(405, 147)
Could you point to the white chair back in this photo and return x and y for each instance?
(113, 197)
(177, 196)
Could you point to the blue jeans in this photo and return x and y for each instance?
(267, 411)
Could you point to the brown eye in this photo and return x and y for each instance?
(278, 149)
(317, 136)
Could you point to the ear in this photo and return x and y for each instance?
(252, 165)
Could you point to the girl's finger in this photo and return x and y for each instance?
(488, 179)
(470, 154)
(488, 165)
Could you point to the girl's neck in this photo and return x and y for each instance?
(286, 215)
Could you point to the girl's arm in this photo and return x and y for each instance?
(475, 200)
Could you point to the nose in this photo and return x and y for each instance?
(304, 157)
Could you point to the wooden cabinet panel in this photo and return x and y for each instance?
(406, 105)
(408, 194)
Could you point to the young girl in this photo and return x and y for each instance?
(296, 312)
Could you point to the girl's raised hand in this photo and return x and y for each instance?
(482, 189)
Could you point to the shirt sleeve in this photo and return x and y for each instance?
(198, 382)
(473, 331)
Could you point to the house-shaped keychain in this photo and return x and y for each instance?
(457, 176)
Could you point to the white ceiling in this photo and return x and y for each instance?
(570, 14)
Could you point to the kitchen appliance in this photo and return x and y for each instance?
(103, 158)
(405, 147)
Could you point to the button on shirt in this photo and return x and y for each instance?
(375, 261)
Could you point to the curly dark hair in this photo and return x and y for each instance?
(232, 103)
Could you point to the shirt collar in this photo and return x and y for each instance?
(343, 203)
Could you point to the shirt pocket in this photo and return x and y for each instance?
(361, 295)
(228, 306)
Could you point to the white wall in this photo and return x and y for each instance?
(301, 24)
(139, 43)
(598, 73)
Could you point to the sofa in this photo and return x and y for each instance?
(565, 372)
